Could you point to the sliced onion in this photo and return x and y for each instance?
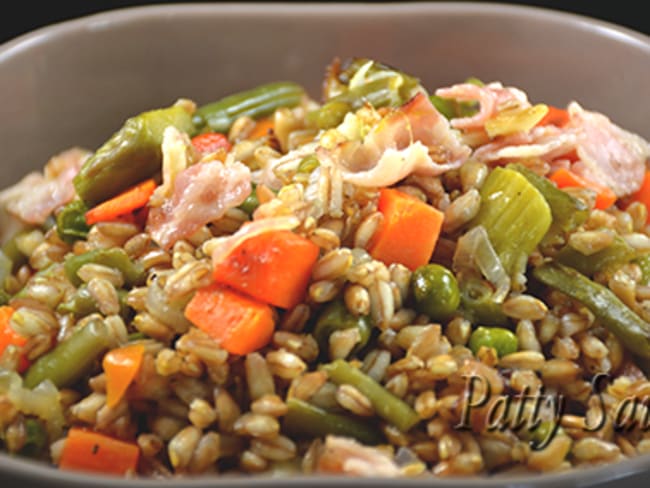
(474, 251)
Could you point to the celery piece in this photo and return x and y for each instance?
(616, 254)
(515, 216)
(389, 407)
(568, 212)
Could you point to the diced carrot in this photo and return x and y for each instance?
(121, 366)
(263, 127)
(86, 450)
(273, 267)
(555, 116)
(409, 231)
(211, 142)
(123, 204)
(240, 324)
(565, 178)
(9, 337)
(643, 194)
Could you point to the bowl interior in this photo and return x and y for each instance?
(74, 83)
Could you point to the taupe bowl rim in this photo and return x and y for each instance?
(38, 472)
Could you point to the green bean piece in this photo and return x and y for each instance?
(305, 419)
(608, 309)
(477, 305)
(388, 406)
(114, 257)
(515, 216)
(567, 211)
(251, 203)
(4, 297)
(131, 155)
(81, 303)
(616, 254)
(255, 103)
(436, 291)
(502, 340)
(71, 222)
(71, 358)
(35, 438)
(335, 316)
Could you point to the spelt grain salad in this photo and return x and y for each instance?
(387, 280)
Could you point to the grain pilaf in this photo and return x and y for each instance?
(385, 281)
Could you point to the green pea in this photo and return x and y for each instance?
(502, 340)
(435, 290)
(251, 203)
(336, 316)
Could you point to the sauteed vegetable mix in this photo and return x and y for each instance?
(388, 279)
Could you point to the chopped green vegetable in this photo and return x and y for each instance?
(71, 222)
(115, 257)
(131, 155)
(251, 203)
(335, 316)
(81, 303)
(616, 254)
(35, 438)
(567, 211)
(502, 340)
(436, 291)
(477, 303)
(255, 103)
(71, 358)
(389, 407)
(305, 419)
(608, 309)
(515, 216)
(308, 164)
(363, 81)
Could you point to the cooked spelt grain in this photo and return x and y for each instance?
(425, 404)
(257, 425)
(333, 265)
(342, 342)
(285, 364)
(252, 462)
(353, 400)
(551, 457)
(105, 295)
(182, 446)
(591, 241)
(524, 307)
(357, 299)
(303, 345)
(594, 449)
(526, 336)
(324, 290)
(295, 319)
(278, 449)
(565, 348)
(271, 405)
(523, 359)
(461, 210)
(258, 376)
(201, 413)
